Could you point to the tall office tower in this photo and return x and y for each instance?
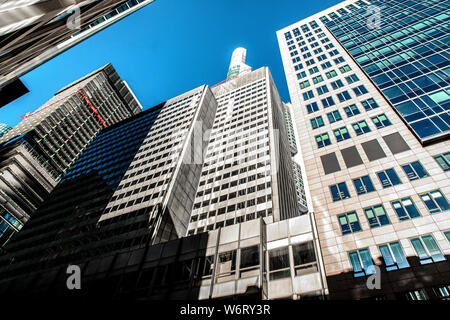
(121, 201)
(248, 171)
(34, 31)
(369, 87)
(36, 153)
(290, 129)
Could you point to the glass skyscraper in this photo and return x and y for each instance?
(405, 53)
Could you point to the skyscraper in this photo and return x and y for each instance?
(33, 32)
(368, 82)
(36, 153)
(127, 212)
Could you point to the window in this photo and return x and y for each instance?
(308, 95)
(393, 256)
(310, 62)
(341, 134)
(226, 265)
(427, 249)
(389, 178)
(351, 110)
(323, 140)
(322, 89)
(321, 57)
(317, 122)
(361, 127)
(376, 216)
(337, 84)
(334, 116)
(328, 102)
(298, 67)
(349, 223)
(405, 209)
(362, 262)
(338, 60)
(443, 160)
(301, 75)
(304, 84)
(331, 74)
(369, 104)
(317, 79)
(304, 258)
(334, 52)
(343, 96)
(352, 78)
(279, 263)
(415, 171)
(313, 70)
(435, 201)
(360, 90)
(249, 258)
(363, 185)
(447, 235)
(381, 121)
(339, 191)
(345, 68)
(312, 107)
(326, 65)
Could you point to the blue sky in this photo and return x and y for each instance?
(170, 47)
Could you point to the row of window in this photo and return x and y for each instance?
(404, 208)
(426, 248)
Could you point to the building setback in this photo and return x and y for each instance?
(124, 211)
(33, 32)
(369, 88)
(36, 153)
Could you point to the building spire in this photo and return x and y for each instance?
(237, 64)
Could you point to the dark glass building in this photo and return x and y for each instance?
(36, 153)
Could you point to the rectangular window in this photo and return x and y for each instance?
(343, 96)
(339, 191)
(322, 89)
(337, 84)
(435, 201)
(328, 102)
(308, 95)
(443, 160)
(304, 84)
(317, 122)
(405, 209)
(312, 107)
(323, 140)
(345, 68)
(360, 90)
(352, 78)
(351, 110)
(415, 170)
(301, 75)
(381, 121)
(341, 134)
(317, 79)
(427, 249)
(362, 262)
(331, 74)
(298, 67)
(376, 216)
(326, 65)
(361, 127)
(279, 266)
(369, 104)
(389, 178)
(313, 70)
(334, 116)
(249, 258)
(349, 222)
(363, 185)
(393, 256)
(304, 258)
